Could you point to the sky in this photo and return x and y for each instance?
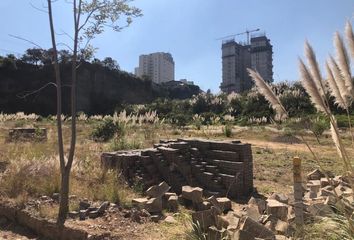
(188, 29)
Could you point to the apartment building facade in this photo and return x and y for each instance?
(262, 57)
(237, 57)
(159, 67)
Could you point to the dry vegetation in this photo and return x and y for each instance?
(32, 168)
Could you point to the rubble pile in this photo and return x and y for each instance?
(325, 193)
(218, 217)
(273, 218)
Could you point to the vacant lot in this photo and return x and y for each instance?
(30, 169)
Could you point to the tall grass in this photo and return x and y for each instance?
(341, 88)
(34, 177)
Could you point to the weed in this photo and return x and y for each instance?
(104, 130)
(124, 143)
(227, 130)
(31, 177)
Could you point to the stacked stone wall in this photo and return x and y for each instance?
(220, 168)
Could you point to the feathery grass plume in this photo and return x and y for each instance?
(311, 88)
(339, 144)
(336, 139)
(346, 95)
(350, 38)
(335, 78)
(334, 88)
(343, 61)
(267, 92)
(314, 68)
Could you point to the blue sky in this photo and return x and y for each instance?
(188, 29)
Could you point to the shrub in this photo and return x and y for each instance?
(122, 143)
(180, 119)
(104, 130)
(227, 129)
(318, 126)
(342, 121)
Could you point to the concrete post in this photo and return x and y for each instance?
(299, 214)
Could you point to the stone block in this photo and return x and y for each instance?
(205, 205)
(83, 214)
(280, 197)
(324, 182)
(228, 221)
(84, 204)
(170, 220)
(195, 194)
(157, 191)
(139, 202)
(223, 155)
(155, 218)
(281, 237)
(94, 214)
(319, 209)
(253, 212)
(56, 197)
(103, 207)
(172, 203)
(229, 167)
(258, 230)
(154, 205)
(281, 227)
(315, 175)
(326, 191)
(205, 218)
(216, 234)
(277, 209)
(259, 202)
(73, 214)
(242, 235)
(225, 203)
(213, 201)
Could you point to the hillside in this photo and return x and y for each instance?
(100, 89)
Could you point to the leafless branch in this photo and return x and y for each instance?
(29, 93)
(64, 44)
(66, 34)
(26, 40)
(39, 9)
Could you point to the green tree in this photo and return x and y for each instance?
(33, 56)
(90, 17)
(110, 63)
(9, 62)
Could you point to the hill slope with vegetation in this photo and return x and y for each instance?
(28, 85)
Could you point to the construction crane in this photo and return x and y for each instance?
(237, 34)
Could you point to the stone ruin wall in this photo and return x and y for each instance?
(220, 168)
(27, 134)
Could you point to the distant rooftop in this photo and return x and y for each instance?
(258, 34)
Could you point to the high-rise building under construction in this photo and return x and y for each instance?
(237, 57)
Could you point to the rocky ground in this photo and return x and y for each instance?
(261, 218)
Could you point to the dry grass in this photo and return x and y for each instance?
(33, 171)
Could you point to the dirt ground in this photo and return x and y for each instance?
(11, 231)
(272, 172)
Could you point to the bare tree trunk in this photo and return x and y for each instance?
(65, 177)
(64, 197)
(58, 87)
